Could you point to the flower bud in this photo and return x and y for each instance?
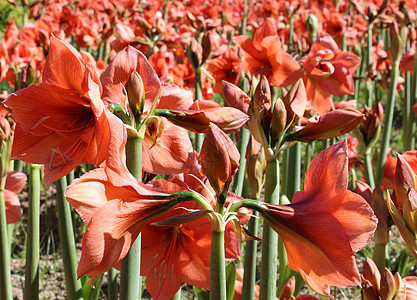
(295, 102)
(398, 39)
(278, 121)
(235, 97)
(370, 273)
(312, 25)
(370, 126)
(135, 92)
(391, 285)
(229, 119)
(328, 125)
(255, 167)
(288, 289)
(219, 159)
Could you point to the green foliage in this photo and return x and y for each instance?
(6, 10)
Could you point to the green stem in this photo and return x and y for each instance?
(5, 277)
(379, 256)
(270, 238)
(369, 175)
(291, 33)
(33, 235)
(113, 288)
(130, 280)
(66, 234)
(369, 63)
(18, 165)
(389, 116)
(217, 267)
(238, 179)
(413, 101)
(245, 17)
(407, 111)
(249, 275)
(199, 137)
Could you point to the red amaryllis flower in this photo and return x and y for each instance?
(327, 221)
(264, 56)
(331, 124)
(15, 182)
(225, 68)
(167, 148)
(329, 72)
(115, 211)
(176, 245)
(62, 122)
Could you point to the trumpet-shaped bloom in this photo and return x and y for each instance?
(327, 221)
(115, 215)
(264, 56)
(176, 245)
(15, 182)
(62, 122)
(171, 152)
(329, 72)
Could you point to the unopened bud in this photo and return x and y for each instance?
(312, 25)
(398, 39)
(278, 121)
(219, 159)
(135, 92)
(288, 289)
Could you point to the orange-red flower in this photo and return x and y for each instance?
(327, 221)
(62, 122)
(329, 72)
(264, 56)
(165, 153)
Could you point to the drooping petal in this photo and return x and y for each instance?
(111, 232)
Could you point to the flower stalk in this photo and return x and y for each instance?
(270, 238)
(33, 235)
(66, 234)
(130, 280)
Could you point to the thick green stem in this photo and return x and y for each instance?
(412, 128)
(33, 235)
(389, 116)
(199, 137)
(130, 280)
(369, 175)
(270, 238)
(113, 288)
(369, 63)
(249, 275)
(5, 277)
(238, 179)
(379, 256)
(217, 267)
(407, 111)
(66, 235)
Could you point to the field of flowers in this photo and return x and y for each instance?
(221, 149)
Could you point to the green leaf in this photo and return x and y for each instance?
(201, 294)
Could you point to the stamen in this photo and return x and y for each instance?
(39, 122)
